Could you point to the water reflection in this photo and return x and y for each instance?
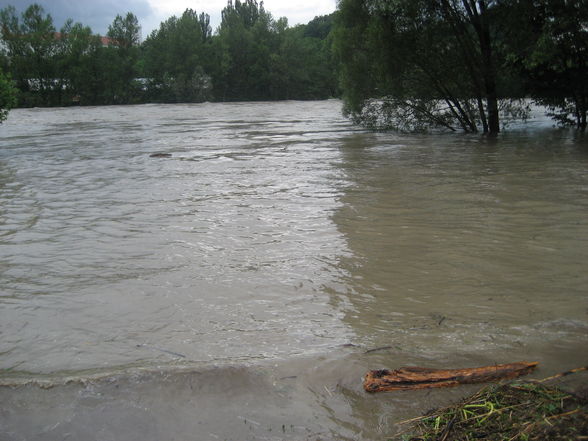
(462, 244)
(461, 252)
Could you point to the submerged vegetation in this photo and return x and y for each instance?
(462, 64)
(408, 65)
(515, 411)
(7, 96)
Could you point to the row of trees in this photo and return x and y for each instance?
(467, 65)
(73, 65)
(462, 64)
(250, 57)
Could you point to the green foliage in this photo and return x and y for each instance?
(302, 66)
(259, 58)
(76, 63)
(176, 57)
(7, 96)
(30, 45)
(122, 63)
(355, 48)
(125, 32)
(409, 65)
(458, 64)
(52, 68)
(419, 64)
(245, 41)
(250, 57)
(319, 27)
(554, 57)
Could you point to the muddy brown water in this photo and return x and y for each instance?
(229, 286)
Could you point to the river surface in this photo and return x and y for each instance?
(240, 286)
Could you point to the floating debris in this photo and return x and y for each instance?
(155, 348)
(423, 378)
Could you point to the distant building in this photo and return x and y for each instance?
(107, 41)
(104, 41)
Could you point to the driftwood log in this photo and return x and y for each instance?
(422, 378)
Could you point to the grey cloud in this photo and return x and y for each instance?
(97, 14)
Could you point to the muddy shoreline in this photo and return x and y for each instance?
(296, 399)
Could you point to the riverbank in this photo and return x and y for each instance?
(531, 410)
(294, 399)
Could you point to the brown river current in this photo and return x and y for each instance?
(240, 288)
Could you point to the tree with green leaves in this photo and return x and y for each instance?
(242, 50)
(76, 63)
(303, 66)
(7, 96)
(177, 58)
(259, 58)
(550, 49)
(121, 57)
(418, 64)
(30, 45)
(251, 57)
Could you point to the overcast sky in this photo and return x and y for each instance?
(98, 14)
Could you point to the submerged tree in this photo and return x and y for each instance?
(417, 64)
(7, 96)
(550, 47)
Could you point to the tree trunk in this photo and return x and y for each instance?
(409, 378)
(480, 64)
(480, 21)
(482, 114)
(492, 103)
(581, 105)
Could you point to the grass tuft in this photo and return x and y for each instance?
(507, 412)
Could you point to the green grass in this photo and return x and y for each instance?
(508, 412)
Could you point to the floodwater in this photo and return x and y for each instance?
(239, 287)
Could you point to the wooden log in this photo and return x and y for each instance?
(408, 378)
